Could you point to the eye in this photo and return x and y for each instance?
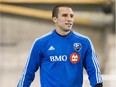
(71, 15)
(64, 15)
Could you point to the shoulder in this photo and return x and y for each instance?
(81, 37)
(41, 40)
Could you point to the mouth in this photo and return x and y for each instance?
(69, 24)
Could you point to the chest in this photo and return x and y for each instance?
(63, 51)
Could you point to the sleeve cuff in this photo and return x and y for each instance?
(99, 85)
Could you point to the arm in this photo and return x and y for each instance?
(31, 67)
(92, 66)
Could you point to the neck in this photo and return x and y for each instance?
(62, 33)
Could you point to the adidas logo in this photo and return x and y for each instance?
(51, 48)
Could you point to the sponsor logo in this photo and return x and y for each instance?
(77, 46)
(74, 58)
(58, 58)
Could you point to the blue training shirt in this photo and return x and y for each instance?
(61, 60)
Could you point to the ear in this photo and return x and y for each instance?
(54, 19)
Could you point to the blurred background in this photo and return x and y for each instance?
(22, 21)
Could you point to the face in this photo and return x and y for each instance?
(65, 19)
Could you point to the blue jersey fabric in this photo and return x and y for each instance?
(61, 60)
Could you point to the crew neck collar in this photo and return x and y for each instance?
(65, 36)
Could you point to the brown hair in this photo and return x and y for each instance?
(56, 10)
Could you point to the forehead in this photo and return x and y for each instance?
(65, 10)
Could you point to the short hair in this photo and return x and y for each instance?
(56, 10)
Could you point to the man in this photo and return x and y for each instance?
(61, 56)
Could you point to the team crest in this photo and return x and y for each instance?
(77, 46)
(74, 58)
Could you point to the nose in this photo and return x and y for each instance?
(69, 18)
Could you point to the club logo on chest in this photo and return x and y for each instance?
(77, 46)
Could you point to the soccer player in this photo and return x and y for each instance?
(61, 56)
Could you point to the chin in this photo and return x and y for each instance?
(66, 30)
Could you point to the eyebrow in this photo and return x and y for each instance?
(65, 14)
